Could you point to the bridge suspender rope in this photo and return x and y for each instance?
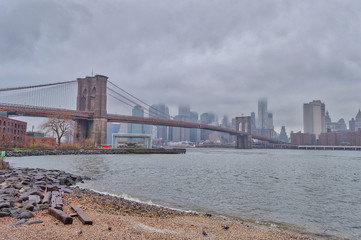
(164, 115)
(35, 86)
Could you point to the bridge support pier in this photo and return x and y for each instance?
(244, 141)
(92, 96)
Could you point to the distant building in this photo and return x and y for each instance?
(330, 139)
(12, 132)
(351, 125)
(36, 138)
(358, 121)
(354, 138)
(262, 114)
(340, 125)
(206, 118)
(181, 134)
(195, 134)
(303, 138)
(253, 123)
(137, 111)
(160, 111)
(112, 128)
(265, 120)
(283, 135)
(314, 118)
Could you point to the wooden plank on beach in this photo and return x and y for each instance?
(47, 197)
(56, 200)
(60, 215)
(82, 215)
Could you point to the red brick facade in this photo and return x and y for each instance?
(12, 132)
(35, 140)
(303, 139)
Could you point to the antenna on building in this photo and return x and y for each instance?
(92, 73)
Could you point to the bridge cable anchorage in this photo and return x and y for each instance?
(149, 106)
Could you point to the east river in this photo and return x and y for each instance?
(311, 191)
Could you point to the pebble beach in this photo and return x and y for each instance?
(113, 217)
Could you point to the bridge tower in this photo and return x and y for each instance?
(244, 141)
(92, 96)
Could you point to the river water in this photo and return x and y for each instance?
(312, 191)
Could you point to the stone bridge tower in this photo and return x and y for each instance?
(92, 96)
(244, 141)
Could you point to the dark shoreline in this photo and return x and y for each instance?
(24, 153)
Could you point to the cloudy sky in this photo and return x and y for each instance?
(217, 56)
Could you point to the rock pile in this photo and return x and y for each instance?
(22, 189)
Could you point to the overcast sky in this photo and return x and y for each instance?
(217, 56)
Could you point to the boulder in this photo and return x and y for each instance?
(35, 198)
(4, 214)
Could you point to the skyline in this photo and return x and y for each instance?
(218, 56)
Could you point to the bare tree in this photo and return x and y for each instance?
(58, 125)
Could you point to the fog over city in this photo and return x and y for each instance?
(216, 56)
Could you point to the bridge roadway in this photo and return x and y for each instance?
(35, 111)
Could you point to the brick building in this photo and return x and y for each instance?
(330, 139)
(303, 138)
(354, 138)
(33, 138)
(12, 132)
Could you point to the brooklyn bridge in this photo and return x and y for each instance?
(91, 114)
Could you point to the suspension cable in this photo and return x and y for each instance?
(165, 115)
(35, 86)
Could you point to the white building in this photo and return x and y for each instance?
(314, 118)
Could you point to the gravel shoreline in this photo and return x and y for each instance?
(114, 217)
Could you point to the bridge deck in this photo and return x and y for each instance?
(26, 110)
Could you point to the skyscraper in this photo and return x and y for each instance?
(265, 120)
(137, 111)
(262, 114)
(160, 111)
(314, 118)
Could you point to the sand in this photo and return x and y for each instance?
(116, 218)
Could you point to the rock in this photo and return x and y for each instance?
(35, 198)
(5, 205)
(4, 214)
(21, 213)
(22, 221)
(225, 227)
(26, 214)
(35, 222)
(29, 207)
(43, 207)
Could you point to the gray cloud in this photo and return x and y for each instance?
(218, 56)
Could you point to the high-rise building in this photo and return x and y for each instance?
(351, 125)
(137, 111)
(160, 111)
(112, 128)
(262, 114)
(283, 135)
(181, 134)
(265, 120)
(207, 118)
(195, 134)
(253, 123)
(314, 118)
(358, 121)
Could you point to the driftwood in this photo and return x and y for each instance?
(47, 197)
(60, 215)
(56, 200)
(82, 215)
